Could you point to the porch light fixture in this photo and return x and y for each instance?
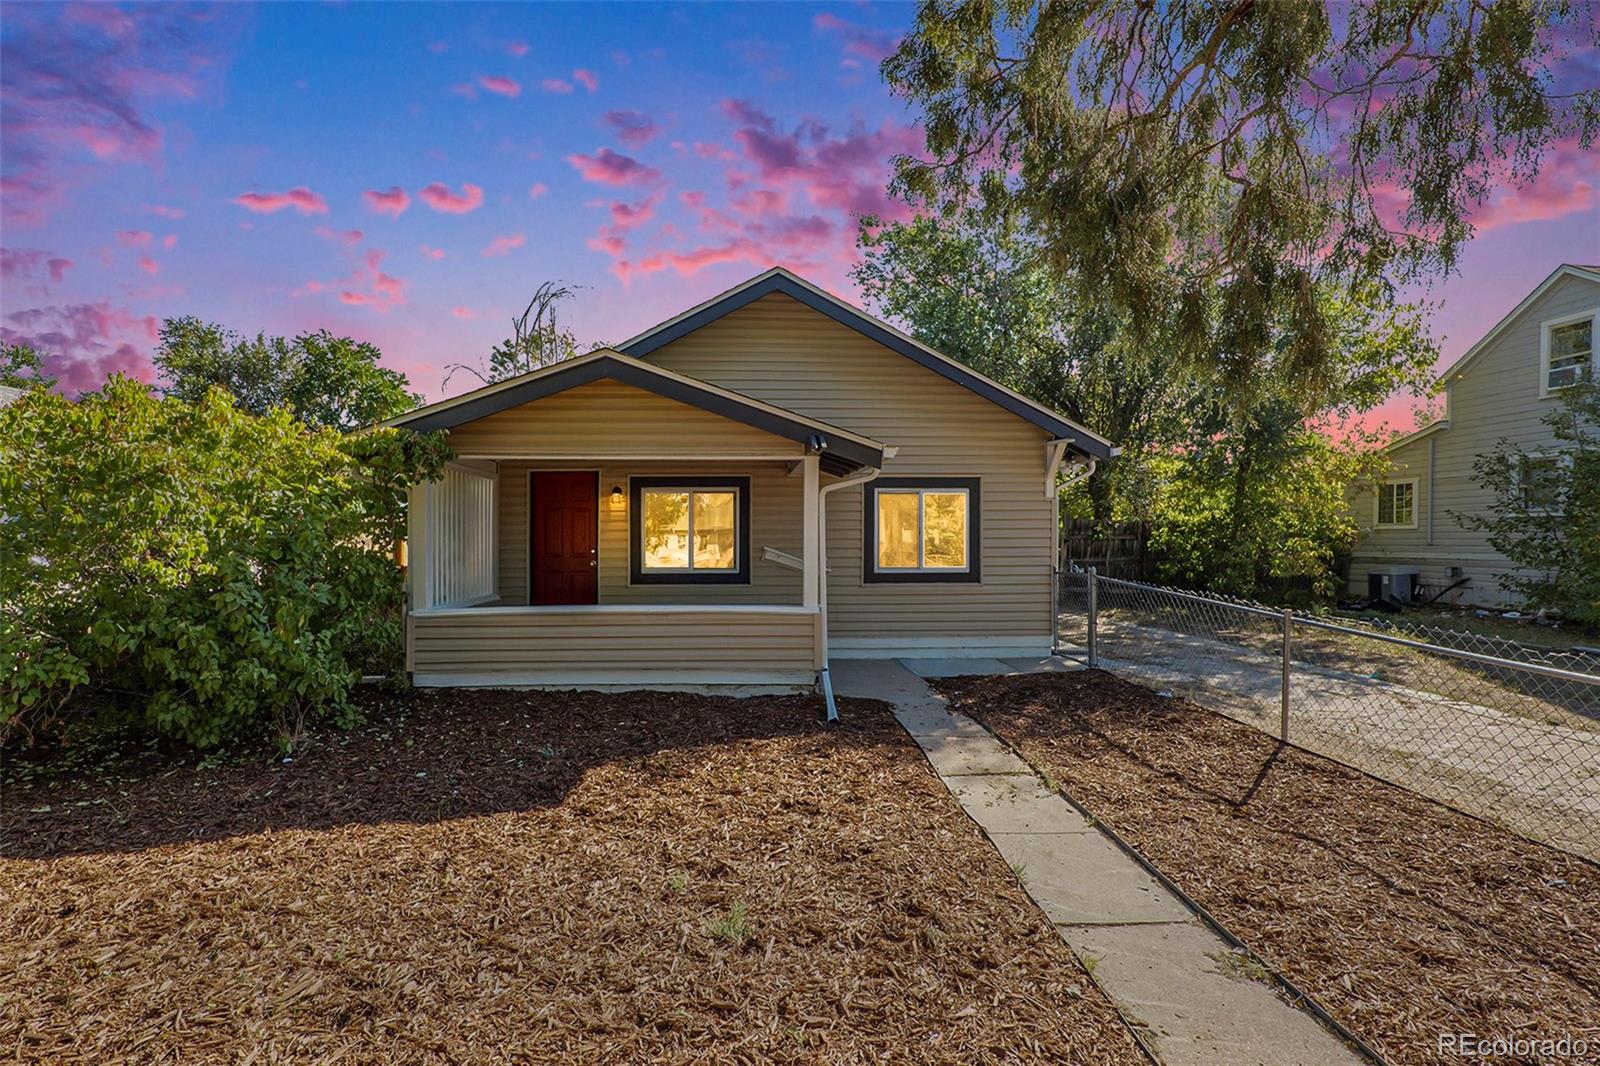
(619, 501)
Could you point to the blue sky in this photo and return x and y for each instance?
(408, 173)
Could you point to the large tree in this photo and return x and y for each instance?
(1209, 169)
(22, 367)
(322, 379)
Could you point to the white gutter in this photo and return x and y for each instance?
(1055, 559)
(822, 572)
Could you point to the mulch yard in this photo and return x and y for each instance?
(555, 877)
(1402, 917)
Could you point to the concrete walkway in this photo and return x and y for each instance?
(1175, 982)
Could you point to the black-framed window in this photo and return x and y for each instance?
(689, 530)
(921, 530)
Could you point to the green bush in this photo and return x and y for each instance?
(190, 568)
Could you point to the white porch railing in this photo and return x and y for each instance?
(461, 550)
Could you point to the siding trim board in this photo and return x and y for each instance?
(778, 280)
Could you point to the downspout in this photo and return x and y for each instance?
(1055, 560)
(822, 570)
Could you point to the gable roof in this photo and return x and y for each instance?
(841, 451)
(1417, 434)
(779, 280)
(1565, 270)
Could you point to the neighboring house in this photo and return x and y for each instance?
(663, 513)
(1499, 391)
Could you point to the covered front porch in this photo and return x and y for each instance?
(602, 534)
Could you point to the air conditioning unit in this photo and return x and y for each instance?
(1397, 584)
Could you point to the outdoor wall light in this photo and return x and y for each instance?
(618, 500)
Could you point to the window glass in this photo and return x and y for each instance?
(897, 530)
(1571, 346)
(1540, 482)
(1396, 503)
(666, 529)
(714, 544)
(944, 541)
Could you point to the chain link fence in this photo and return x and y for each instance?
(1495, 728)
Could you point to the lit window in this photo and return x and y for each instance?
(690, 530)
(1397, 503)
(1568, 348)
(1539, 483)
(921, 529)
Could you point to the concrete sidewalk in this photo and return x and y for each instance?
(1190, 998)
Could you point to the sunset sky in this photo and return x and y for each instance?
(407, 174)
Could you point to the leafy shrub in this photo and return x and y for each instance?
(192, 568)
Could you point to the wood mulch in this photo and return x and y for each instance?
(1404, 918)
(550, 877)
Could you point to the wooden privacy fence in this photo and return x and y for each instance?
(1119, 551)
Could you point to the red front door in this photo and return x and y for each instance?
(566, 562)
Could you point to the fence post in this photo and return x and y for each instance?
(1288, 630)
(1094, 609)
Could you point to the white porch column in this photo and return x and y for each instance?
(811, 535)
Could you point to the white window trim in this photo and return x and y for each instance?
(1562, 459)
(1377, 503)
(692, 490)
(922, 531)
(1593, 315)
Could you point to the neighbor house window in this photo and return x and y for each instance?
(921, 530)
(1539, 482)
(690, 530)
(1567, 350)
(1397, 503)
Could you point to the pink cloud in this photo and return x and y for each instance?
(392, 201)
(432, 253)
(586, 78)
(148, 265)
(84, 344)
(134, 238)
(301, 199)
(630, 216)
(162, 211)
(606, 167)
(22, 264)
(500, 85)
(518, 49)
(440, 197)
(633, 128)
(707, 150)
(869, 44)
(537, 189)
(58, 269)
(170, 241)
(686, 264)
(556, 85)
(463, 312)
(382, 291)
(1565, 185)
(347, 236)
(847, 173)
(503, 245)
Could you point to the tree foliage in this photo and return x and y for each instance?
(537, 340)
(322, 379)
(191, 568)
(1209, 169)
(1546, 512)
(1239, 497)
(21, 367)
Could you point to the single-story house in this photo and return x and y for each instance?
(729, 498)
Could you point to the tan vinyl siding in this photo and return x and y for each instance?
(776, 507)
(1496, 398)
(778, 350)
(617, 645)
(608, 418)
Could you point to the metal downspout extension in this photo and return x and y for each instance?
(822, 576)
